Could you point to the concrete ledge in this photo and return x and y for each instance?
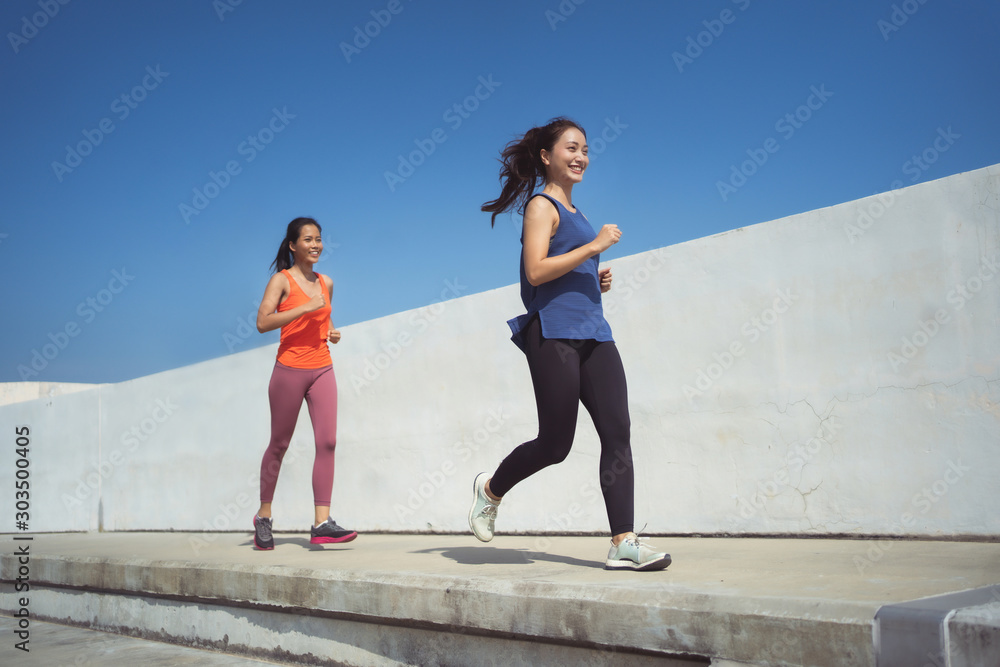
(311, 637)
(976, 633)
(410, 599)
(18, 392)
(957, 629)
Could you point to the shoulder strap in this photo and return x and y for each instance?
(554, 202)
(292, 285)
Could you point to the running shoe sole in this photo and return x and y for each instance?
(333, 540)
(659, 564)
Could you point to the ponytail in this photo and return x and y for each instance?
(284, 260)
(522, 166)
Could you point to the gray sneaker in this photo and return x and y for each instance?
(262, 537)
(329, 532)
(484, 509)
(631, 554)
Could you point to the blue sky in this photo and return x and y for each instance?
(153, 152)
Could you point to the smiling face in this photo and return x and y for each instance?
(309, 245)
(567, 160)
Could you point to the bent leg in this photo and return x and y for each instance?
(555, 376)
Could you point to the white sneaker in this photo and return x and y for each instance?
(631, 554)
(484, 509)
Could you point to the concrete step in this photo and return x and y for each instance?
(531, 600)
(53, 645)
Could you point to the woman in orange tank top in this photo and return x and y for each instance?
(297, 299)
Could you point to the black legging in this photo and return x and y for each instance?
(564, 373)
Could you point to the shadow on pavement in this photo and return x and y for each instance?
(497, 556)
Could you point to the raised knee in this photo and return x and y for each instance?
(559, 450)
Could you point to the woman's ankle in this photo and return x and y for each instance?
(489, 494)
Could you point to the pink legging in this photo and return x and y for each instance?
(285, 392)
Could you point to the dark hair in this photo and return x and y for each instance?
(523, 167)
(284, 259)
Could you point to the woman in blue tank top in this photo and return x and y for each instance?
(564, 336)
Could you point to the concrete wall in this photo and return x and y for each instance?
(16, 392)
(834, 372)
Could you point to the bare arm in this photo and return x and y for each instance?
(333, 335)
(268, 319)
(540, 222)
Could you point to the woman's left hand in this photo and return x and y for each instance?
(333, 336)
(605, 276)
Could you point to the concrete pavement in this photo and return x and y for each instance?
(520, 599)
(54, 645)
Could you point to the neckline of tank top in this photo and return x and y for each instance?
(319, 279)
(553, 199)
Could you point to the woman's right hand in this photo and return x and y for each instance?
(607, 237)
(315, 303)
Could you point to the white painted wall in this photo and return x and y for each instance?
(819, 374)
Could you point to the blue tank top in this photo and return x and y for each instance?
(569, 306)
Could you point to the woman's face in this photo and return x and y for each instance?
(309, 245)
(568, 159)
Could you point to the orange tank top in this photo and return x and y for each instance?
(303, 340)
